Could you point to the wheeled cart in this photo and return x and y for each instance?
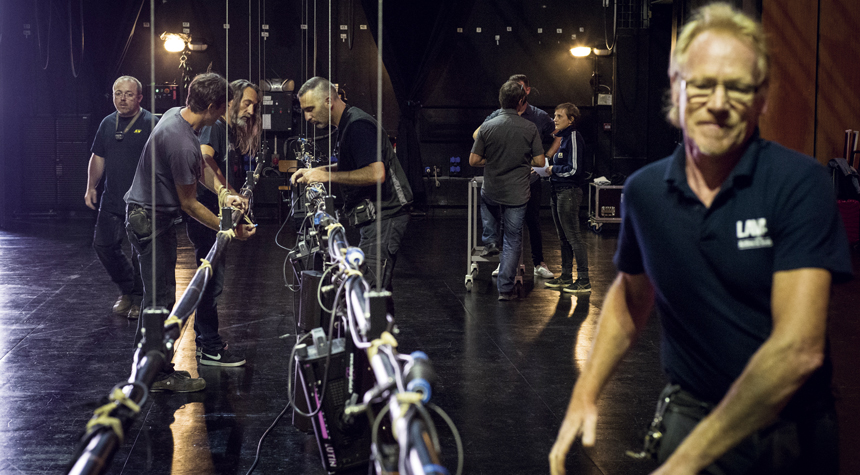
(473, 249)
(604, 205)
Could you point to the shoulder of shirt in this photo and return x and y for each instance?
(649, 174)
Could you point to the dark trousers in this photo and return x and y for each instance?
(533, 222)
(206, 318)
(565, 214)
(107, 242)
(390, 237)
(803, 445)
(159, 283)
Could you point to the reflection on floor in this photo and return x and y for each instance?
(506, 368)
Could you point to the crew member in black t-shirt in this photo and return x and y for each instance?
(243, 119)
(115, 152)
(359, 171)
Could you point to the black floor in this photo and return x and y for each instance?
(505, 369)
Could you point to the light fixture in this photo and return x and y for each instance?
(174, 42)
(580, 51)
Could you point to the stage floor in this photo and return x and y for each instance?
(505, 369)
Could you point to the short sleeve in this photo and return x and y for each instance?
(628, 254)
(99, 142)
(185, 166)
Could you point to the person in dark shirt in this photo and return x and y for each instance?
(115, 152)
(566, 176)
(736, 240)
(222, 151)
(359, 170)
(545, 127)
(507, 147)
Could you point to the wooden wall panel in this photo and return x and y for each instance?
(790, 117)
(838, 76)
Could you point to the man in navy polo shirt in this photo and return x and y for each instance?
(116, 150)
(736, 240)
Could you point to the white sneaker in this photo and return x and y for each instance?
(496, 272)
(542, 271)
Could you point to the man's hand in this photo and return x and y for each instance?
(244, 231)
(310, 175)
(549, 170)
(91, 198)
(581, 419)
(236, 201)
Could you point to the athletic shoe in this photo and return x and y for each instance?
(222, 357)
(134, 312)
(559, 282)
(496, 272)
(122, 304)
(542, 271)
(179, 382)
(507, 296)
(580, 286)
(490, 250)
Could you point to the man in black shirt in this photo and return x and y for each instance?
(242, 117)
(115, 152)
(359, 170)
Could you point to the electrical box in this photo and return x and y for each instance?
(604, 99)
(278, 111)
(166, 97)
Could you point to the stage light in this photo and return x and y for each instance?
(174, 42)
(580, 51)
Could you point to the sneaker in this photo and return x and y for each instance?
(559, 282)
(507, 296)
(122, 304)
(222, 357)
(490, 250)
(541, 270)
(179, 382)
(134, 312)
(580, 286)
(496, 272)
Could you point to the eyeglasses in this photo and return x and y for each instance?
(737, 93)
(127, 94)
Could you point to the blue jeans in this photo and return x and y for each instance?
(565, 214)
(107, 242)
(206, 318)
(490, 233)
(511, 219)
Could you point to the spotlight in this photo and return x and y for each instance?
(580, 51)
(174, 42)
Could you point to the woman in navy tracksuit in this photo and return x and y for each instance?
(566, 176)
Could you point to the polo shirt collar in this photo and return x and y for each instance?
(676, 174)
(509, 112)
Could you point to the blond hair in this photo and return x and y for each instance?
(725, 18)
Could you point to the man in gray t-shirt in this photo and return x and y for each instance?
(507, 147)
(173, 155)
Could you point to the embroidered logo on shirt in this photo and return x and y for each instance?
(560, 155)
(137, 131)
(752, 234)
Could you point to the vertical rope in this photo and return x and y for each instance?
(152, 149)
(249, 40)
(379, 150)
(330, 98)
(227, 94)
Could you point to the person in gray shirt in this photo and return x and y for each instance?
(507, 147)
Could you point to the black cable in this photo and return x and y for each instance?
(260, 443)
(39, 34)
(457, 439)
(71, 43)
(128, 40)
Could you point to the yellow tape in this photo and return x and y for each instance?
(230, 233)
(173, 319)
(204, 264)
(102, 417)
(384, 339)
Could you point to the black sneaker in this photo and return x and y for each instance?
(222, 357)
(559, 282)
(179, 382)
(580, 286)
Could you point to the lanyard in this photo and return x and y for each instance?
(119, 134)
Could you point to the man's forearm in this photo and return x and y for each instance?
(365, 176)
(794, 350)
(201, 213)
(95, 170)
(626, 308)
